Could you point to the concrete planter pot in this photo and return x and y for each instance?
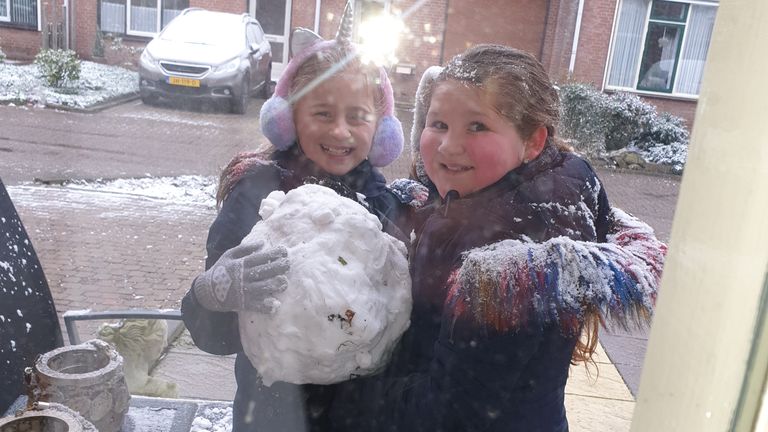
(47, 417)
(87, 378)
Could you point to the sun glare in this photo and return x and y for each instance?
(379, 38)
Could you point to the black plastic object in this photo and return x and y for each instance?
(28, 322)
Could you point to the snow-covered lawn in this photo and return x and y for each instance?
(22, 84)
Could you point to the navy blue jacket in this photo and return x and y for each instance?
(282, 406)
(453, 372)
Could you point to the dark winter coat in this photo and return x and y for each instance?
(457, 371)
(282, 406)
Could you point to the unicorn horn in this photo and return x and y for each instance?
(344, 35)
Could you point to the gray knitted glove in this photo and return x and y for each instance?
(246, 277)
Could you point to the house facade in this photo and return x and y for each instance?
(653, 48)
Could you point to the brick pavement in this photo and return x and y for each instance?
(113, 251)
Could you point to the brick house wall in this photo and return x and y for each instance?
(519, 24)
(303, 14)
(421, 46)
(330, 16)
(558, 40)
(20, 44)
(85, 24)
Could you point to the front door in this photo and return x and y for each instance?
(275, 18)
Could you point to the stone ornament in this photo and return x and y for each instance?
(87, 378)
(46, 417)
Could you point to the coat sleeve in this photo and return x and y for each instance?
(217, 332)
(512, 282)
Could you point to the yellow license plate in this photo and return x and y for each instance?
(186, 82)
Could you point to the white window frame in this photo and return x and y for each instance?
(636, 77)
(158, 20)
(7, 16)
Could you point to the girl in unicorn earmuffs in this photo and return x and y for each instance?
(330, 120)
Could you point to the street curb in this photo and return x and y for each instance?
(109, 103)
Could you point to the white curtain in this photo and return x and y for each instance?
(112, 17)
(694, 54)
(4, 9)
(144, 19)
(628, 43)
(169, 14)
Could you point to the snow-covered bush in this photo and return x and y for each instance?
(596, 123)
(58, 67)
(663, 129)
(673, 155)
(583, 121)
(628, 118)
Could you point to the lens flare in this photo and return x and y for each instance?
(379, 37)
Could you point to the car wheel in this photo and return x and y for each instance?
(266, 88)
(148, 99)
(240, 103)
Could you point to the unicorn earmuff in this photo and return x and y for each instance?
(276, 116)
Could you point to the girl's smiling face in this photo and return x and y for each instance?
(336, 121)
(466, 145)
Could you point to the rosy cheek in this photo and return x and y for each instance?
(428, 145)
(492, 157)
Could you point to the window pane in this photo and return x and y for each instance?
(277, 51)
(627, 43)
(24, 12)
(144, 16)
(695, 50)
(171, 8)
(112, 16)
(3, 8)
(669, 11)
(659, 58)
(271, 16)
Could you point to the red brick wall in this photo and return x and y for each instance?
(231, 6)
(680, 108)
(330, 16)
(559, 38)
(518, 23)
(303, 14)
(594, 38)
(85, 28)
(421, 45)
(20, 44)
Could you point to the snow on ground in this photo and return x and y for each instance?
(98, 83)
(186, 189)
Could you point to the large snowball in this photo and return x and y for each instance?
(348, 299)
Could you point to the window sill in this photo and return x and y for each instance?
(8, 24)
(126, 37)
(651, 94)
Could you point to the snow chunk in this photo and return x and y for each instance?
(349, 291)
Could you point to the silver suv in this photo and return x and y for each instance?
(205, 54)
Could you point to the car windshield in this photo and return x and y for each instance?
(213, 30)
